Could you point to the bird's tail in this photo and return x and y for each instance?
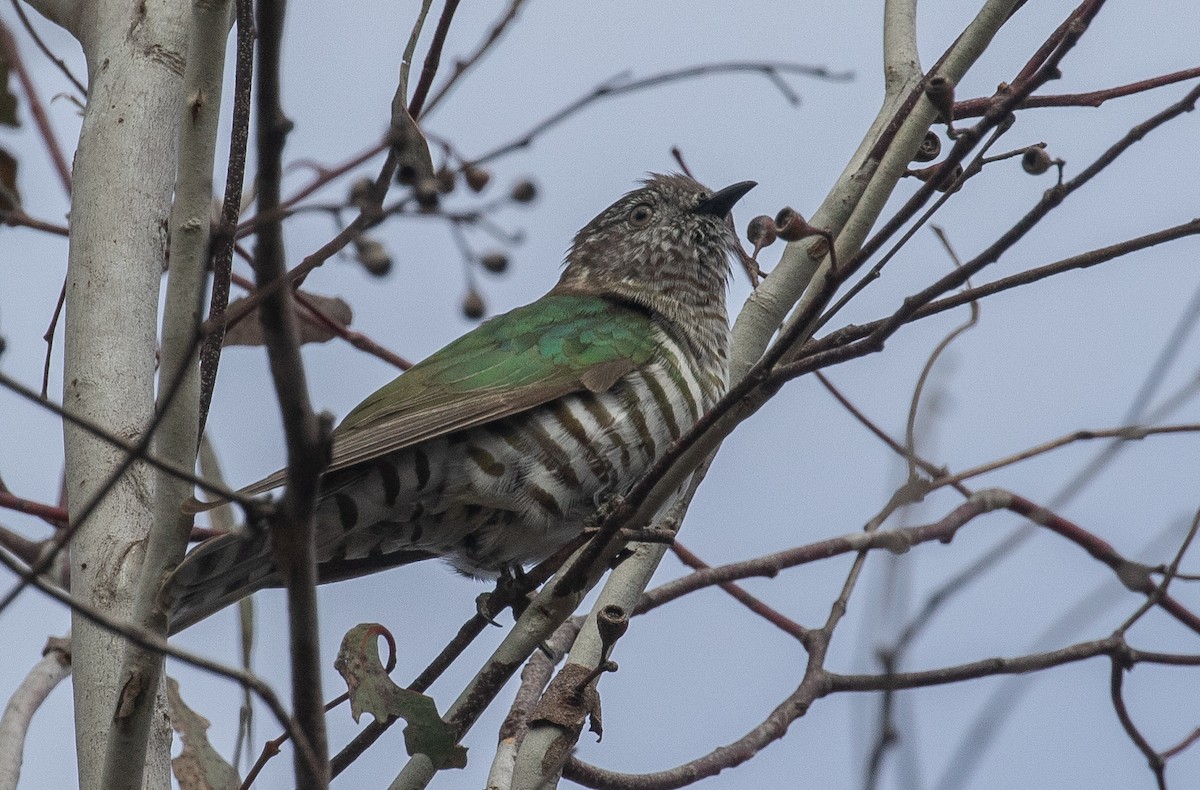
(219, 572)
(225, 569)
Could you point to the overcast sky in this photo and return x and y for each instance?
(1066, 354)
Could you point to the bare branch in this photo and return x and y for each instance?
(224, 235)
(974, 107)
(620, 84)
(43, 678)
(307, 437)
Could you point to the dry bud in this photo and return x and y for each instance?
(473, 306)
(477, 177)
(445, 179)
(1036, 161)
(940, 92)
(406, 174)
(372, 255)
(495, 262)
(524, 191)
(930, 148)
(426, 193)
(761, 232)
(362, 192)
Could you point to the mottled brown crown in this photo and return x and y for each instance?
(658, 247)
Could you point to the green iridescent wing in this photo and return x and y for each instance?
(560, 344)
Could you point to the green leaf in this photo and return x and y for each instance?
(372, 691)
(198, 766)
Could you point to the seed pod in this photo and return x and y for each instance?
(426, 193)
(495, 261)
(446, 180)
(473, 306)
(1036, 161)
(477, 177)
(362, 192)
(930, 148)
(372, 255)
(406, 174)
(524, 191)
(612, 621)
(790, 225)
(761, 232)
(940, 92)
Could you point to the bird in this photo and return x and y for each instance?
(493, 452)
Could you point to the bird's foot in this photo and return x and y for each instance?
(512, 589)
(605, 509)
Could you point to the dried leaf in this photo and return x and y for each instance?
(8, 101)
(198, 766)
(413, 161)
(10, 198)
(372, 691)
(567, 702)
(248, 331)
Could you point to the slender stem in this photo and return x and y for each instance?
(292, 531)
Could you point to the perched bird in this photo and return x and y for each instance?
(492, 452)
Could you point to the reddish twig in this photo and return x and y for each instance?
(36, 108)
(970, 108)
(771, 615)
(55, 516)
(57, 61)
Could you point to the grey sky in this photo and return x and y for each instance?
(1066, 354)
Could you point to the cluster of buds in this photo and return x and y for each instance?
(788, 225)
(427, 186)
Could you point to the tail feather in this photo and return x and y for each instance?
(219, 572)
(192, 505)
(225, 569)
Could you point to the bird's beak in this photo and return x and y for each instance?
(719, 203)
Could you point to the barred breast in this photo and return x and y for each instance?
(511, 492)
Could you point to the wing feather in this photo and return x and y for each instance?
(562, 343)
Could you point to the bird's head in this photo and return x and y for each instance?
(665, 245)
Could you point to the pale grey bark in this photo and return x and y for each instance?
(179, 383)
(43, 677)
(124, 173)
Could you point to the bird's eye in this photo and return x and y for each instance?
(641, 215)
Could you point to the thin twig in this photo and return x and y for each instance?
(974, 107)
(36, 108)
(432, 59)
(463, 65)
(619, 85)
(292, 532)
(223, 238)
(57, 61)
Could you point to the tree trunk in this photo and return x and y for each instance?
(123, 178)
